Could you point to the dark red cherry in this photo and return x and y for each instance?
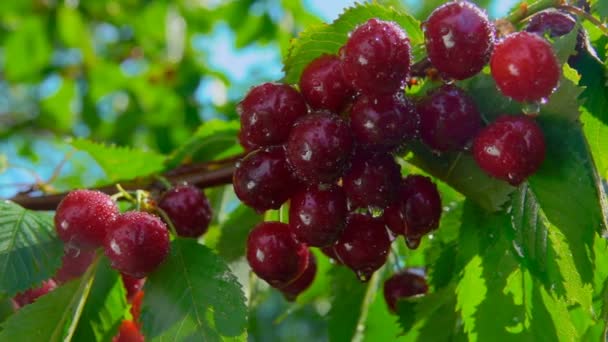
(323, 85)
(31, 295)
(275, 255)
(303, 282)
(364, 245)
(551, 21)
(525, 68)
(405, 284)
(372, 180)
(189, 210)
(267, 114)
(376, 57)
(317, 214)
(83, 217)
(319, 147)
(459, 39)
(74, 263)
(449, 119)
(383, 122)
(137, 243)
(263, 180)
(417, 210)
(511, 148)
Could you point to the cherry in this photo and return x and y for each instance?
(405, 284)
(128, 332)
(364, 245)
(83, 217)
(263, 180)
(74, 263)
(459, 39)
(323, 85)
(418, 210)
(31, 295)
(275, 255)
(372, 180)
(319, 147)
(376, 57)
(132, 285)
(449, 119)
(383, 121)
(137, 243)
(317, 214)
(267, 114)
(554, 22)
(303, 282)
(525, 67)
(511, 148)
(189, 210)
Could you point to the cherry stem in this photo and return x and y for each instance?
(586, 16)
(167, 219)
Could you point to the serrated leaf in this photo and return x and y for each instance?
(234, 232)
(470, 292)
(327, 39)
(121, 163)
(460, 171)
(29, 249)
(51, 317)
(193, 296)
(212, 140)
(348, 296)
(106, 307)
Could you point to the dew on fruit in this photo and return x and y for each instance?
(448, 40)
(362, 276)
(412, 243)
(375, 211)
(513, 70)
(533, 108)
(493, 151)
(115, 247)
(64, 225)
(260, 255)
(362, 60)
(305, 218)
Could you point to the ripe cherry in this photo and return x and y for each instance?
(267, 114)
(263, 180)
(83, 217)
(459, 39)
(406, 284)
(137, 243)
(524, 67)
(551, 21)
(383, 122)
(323, 85)
(372, 180)
(511, 148)
(188, 208)
(303, 282)
(275, 255)
(417, 210)
(31, 295)
(376, 57)
(74, 263)
(317, 215)
(449, 119)
(364, 245)
(128, 332)
(319, 147)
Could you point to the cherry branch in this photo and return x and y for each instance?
(202, 175)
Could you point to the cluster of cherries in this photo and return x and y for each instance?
(328, 148)
(135, 242)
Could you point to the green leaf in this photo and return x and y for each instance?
(214, 139)
(470, 292)
(27, 50)
(327, 39)
(29, 249)
(193, 296)
(73, 31)
(121, 163)
(461, 172)
(106, 307)
(57, 110)
(348, 298)
(53, 316)
(234, 232)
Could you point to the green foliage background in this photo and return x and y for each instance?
(78, 78)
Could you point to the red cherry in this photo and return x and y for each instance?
(323, 85)
(31, 295)
(189, 210)
(405, 284)
(129, 332)
(132, 285)
(74, 263)
(303, 282)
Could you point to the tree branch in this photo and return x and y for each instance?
(202, 175)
